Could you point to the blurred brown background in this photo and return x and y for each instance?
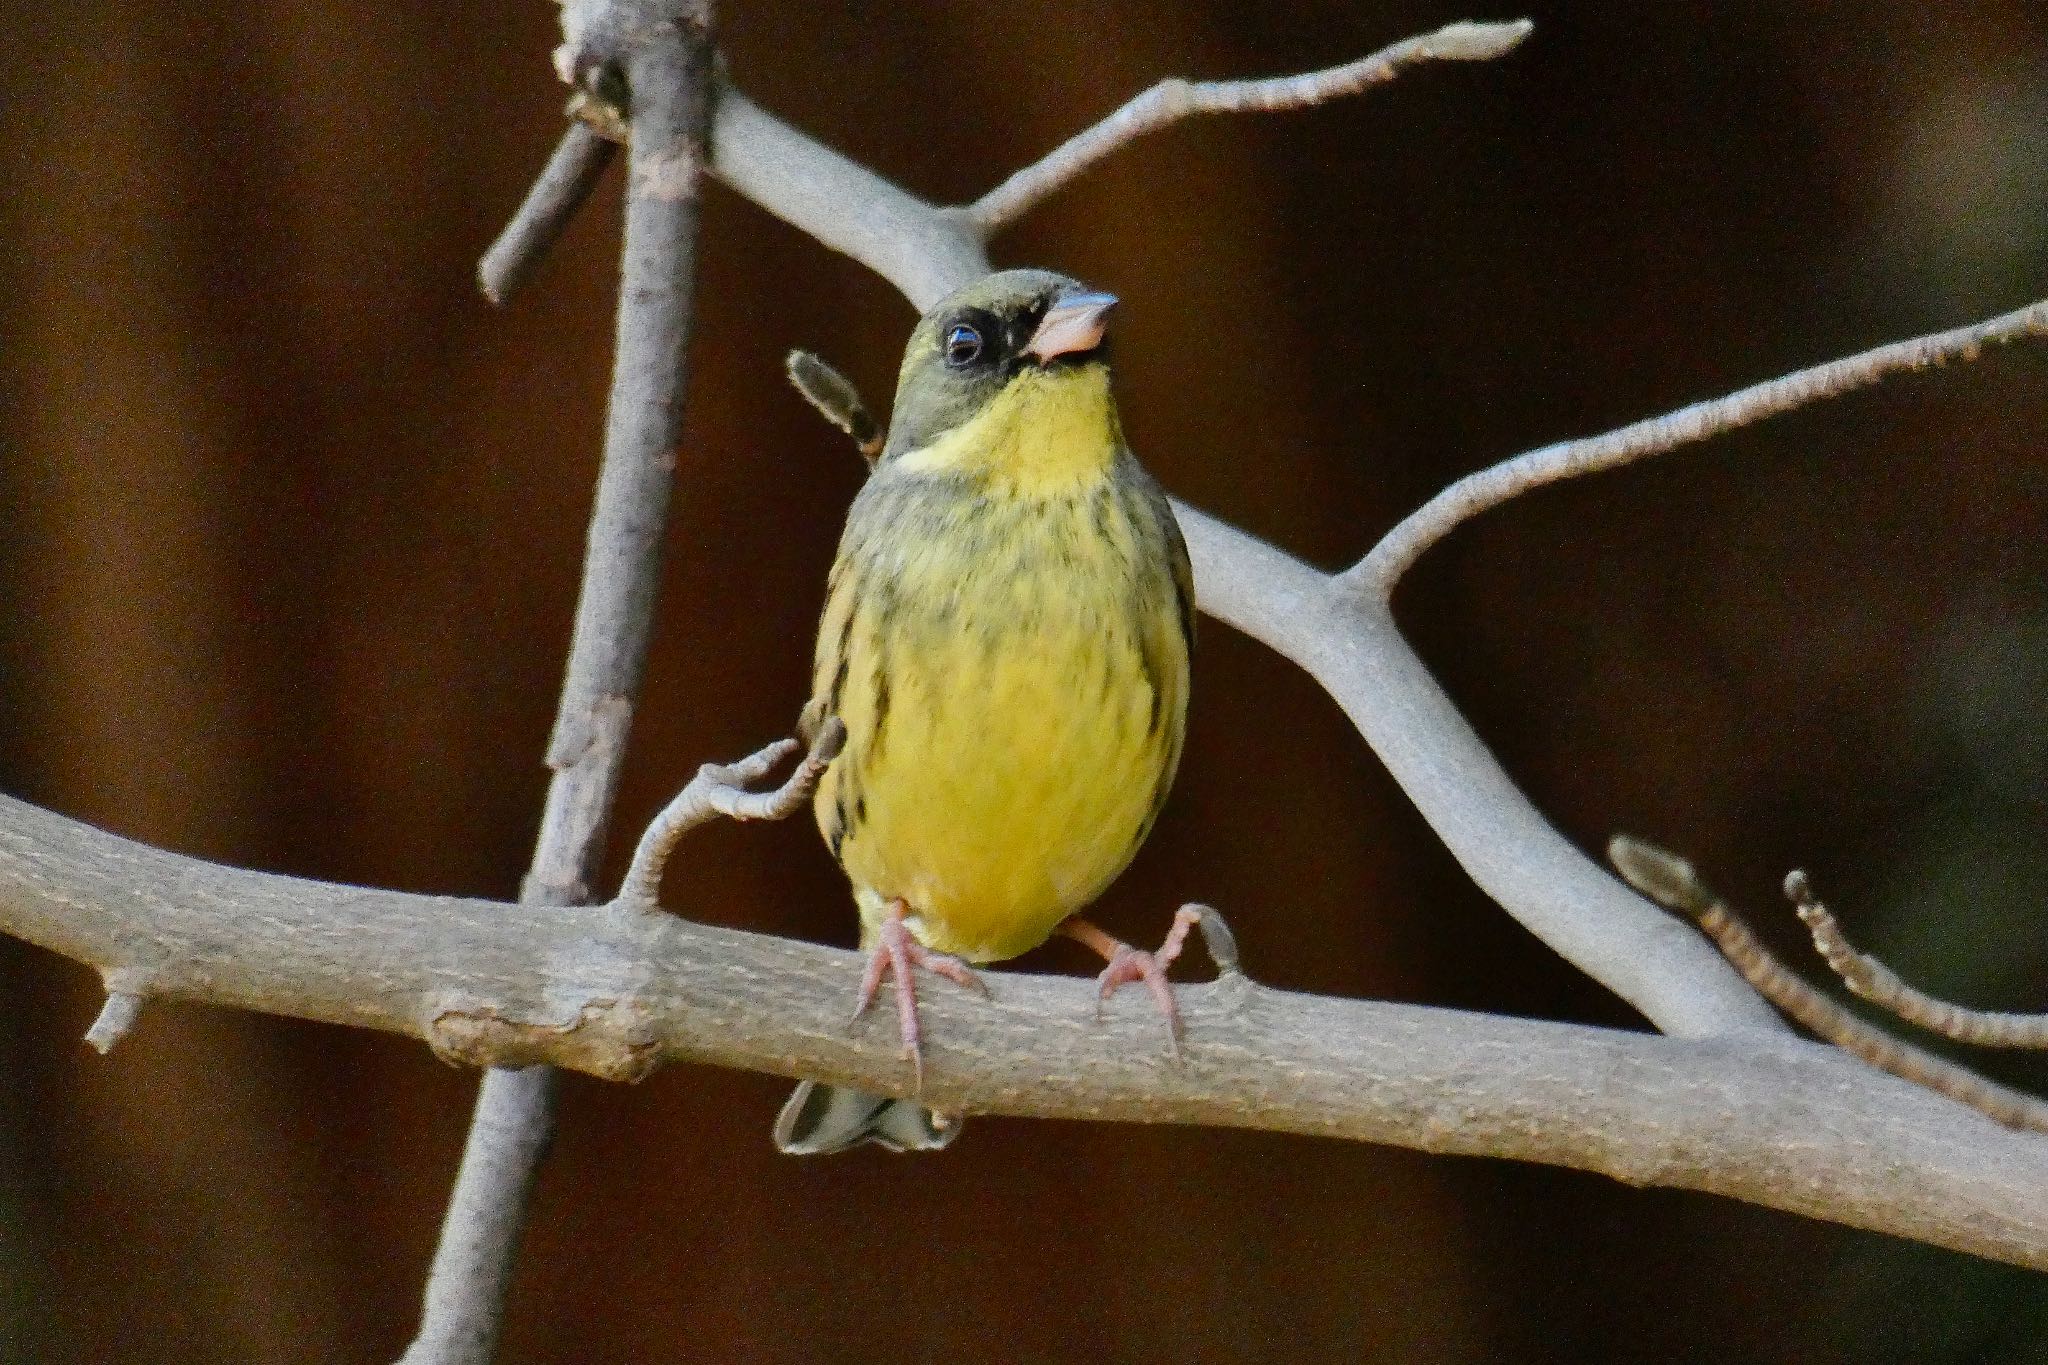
(290, 523)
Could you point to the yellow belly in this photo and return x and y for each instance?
(1013, 685)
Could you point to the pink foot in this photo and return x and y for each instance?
(896, 953)
(1128, 964)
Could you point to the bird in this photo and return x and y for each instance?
(1006, 640)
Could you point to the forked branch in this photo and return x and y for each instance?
(1671, 881)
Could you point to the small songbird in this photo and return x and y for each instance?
(1005, 638)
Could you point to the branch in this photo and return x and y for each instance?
(1173, 100)
(1672, 881)
(925, 251)
(614, 991)
(721, 789)
(1349, 646)
(662, 51)
(572, 172)
(1379, 571)
(1880, 985)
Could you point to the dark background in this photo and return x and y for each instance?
(292, 524)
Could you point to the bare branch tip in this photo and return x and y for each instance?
(116, 1017)
(1661, 875)
(1478, 40)
(836, 399)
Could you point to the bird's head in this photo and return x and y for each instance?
(1017, 348)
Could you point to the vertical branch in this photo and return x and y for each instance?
(664, 54)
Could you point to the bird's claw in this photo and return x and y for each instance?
(897, 954)
(1128, 964)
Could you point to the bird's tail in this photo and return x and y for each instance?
(821, 1119)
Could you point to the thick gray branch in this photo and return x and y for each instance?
(614, 990)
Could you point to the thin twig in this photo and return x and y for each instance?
(1380, 570)
(1172, 100)
(721, 789)
(664, 53)
(1880, 985)
(572, 172)
(837, 401)
(1672, 882)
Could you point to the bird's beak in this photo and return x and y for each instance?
(1072, 326)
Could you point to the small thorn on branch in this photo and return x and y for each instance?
(116, 1017)
(1883, 987)
(837, 400)
(721, 789)
(1216, 938)
(1671, 881)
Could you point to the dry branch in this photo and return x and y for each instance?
(572, 172)
(1671, 881)
(721, 789)
(613, 990)
(1882, 986)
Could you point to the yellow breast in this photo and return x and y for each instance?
(1009, 655)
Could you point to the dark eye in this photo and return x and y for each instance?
(963, 345)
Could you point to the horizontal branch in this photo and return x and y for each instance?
(1479, 492)
(615, 991)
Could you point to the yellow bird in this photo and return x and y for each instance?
(1005, 638)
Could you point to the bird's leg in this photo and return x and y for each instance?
(897, 952)
(1128, 964)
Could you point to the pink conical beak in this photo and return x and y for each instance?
(1074, 325)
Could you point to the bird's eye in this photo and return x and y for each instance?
(963, 345)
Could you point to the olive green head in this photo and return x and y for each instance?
(983, 339)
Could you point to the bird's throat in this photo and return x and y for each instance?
(1047, 432)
